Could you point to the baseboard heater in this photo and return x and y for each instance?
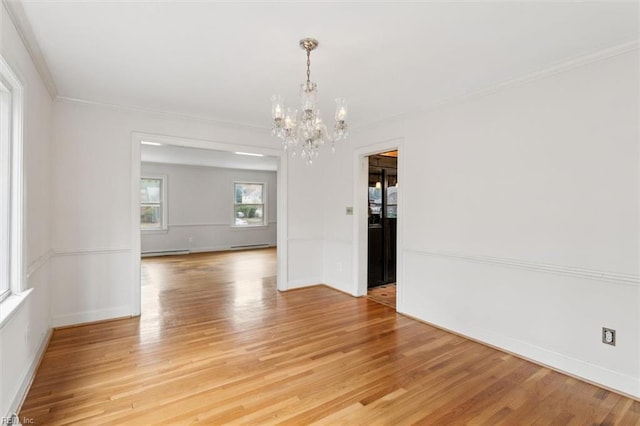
(177, 252)
(164, 253)
(246, 246)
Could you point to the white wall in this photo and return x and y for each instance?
(520, 218)
(200, 209)
(92, 204)
(306, 224)
(23, 336)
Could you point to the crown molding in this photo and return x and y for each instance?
(558, 68)
(20, 21)
(243, 126)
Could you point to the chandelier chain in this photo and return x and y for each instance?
(308, 65)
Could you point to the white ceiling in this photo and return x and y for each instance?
(224, 60)
(205, 157)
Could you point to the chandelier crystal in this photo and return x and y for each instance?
(307, 130)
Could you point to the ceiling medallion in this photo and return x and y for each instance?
(307, 130)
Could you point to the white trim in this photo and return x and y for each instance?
(307, 282)
(38, 263)
(232, 248)
(225, 224)
(6, 168)
(244, 126)
(89, 251)
(539, 355)
(136, 238)
(235, 228)
(561, 67)
(11, 304)
(360, 215)
(92, 316)
(23, 390)
(17, 205)
(154, 231)
(282, 229)
(179, 251)
(190, 225)
(165, 253)
(591, 274)
(23, 27)
(558, 68)
(282, 187)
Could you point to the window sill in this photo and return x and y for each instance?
(248, 227)
(10, 305)
(155, 231)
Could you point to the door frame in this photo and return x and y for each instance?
(281, 221)
(360, 211)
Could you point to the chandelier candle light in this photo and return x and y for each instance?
(307, 130)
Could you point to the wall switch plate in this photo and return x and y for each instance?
(608, 336)
(350, 211)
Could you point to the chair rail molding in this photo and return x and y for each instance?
(572, 271)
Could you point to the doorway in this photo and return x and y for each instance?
(281, 220)
(382, 196)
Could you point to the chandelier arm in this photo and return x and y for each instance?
(308, 132)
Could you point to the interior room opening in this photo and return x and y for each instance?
(382, 195)
(200, 210)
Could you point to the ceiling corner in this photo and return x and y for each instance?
(19, 19)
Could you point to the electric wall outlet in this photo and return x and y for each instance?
(608, 336)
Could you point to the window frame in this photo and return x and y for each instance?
(265, 220)
(12, 185)
(164, 221)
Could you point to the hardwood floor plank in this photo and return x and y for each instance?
(218, 344)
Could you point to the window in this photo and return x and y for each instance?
(11, 270)
(249, 204)
(5, 190)
(153, 210)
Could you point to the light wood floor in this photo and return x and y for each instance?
(218, 344)
(385, 294)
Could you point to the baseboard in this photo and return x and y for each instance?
(84, 324)
(625, 385)
(172, 252)
(342, 288)
(163, 253)
(249, 246)
(232, 248)
(303, 283)
(91, 316)
(16, 405)
(329, 286)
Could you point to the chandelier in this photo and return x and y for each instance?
(307, 130)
